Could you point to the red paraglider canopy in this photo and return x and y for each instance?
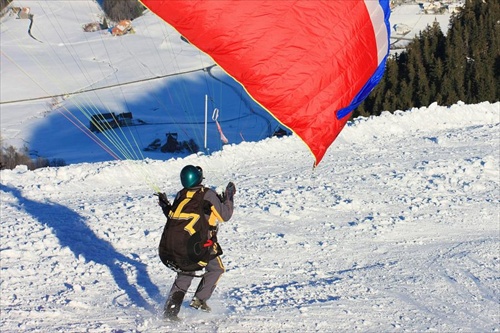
(309, 63)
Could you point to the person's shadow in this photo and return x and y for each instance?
(72, 231)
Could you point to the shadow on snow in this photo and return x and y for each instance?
(173, 106)
(72, 232)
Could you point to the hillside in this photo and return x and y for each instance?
(396, 230)
(151, 74)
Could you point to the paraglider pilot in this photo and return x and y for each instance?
(189, 240)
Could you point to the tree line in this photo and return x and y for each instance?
(10, 157)
(462, 66)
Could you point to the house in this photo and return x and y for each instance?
(124, 119)
(401, 28)
(122, 28)
(105, 121)
(455, 8)
(22, 12)
(95, 26)
(91, 27)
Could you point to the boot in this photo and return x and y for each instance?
(197, 303)
(173, 305)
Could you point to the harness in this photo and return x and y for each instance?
(187, 239)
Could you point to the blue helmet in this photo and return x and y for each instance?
(191, 176)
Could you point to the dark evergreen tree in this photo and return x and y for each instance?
(118, 10)
(464, 65)
(403, 97)
(455, 64)
(392, 81)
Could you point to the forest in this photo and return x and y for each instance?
(463, 65)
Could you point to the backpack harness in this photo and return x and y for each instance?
(185, 245)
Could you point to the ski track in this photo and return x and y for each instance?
(397, 233)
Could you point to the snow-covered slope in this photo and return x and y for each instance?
(396, 230)
(54, 76)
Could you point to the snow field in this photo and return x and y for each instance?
(393, 232)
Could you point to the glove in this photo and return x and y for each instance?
(230, 191)
(163, 200)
